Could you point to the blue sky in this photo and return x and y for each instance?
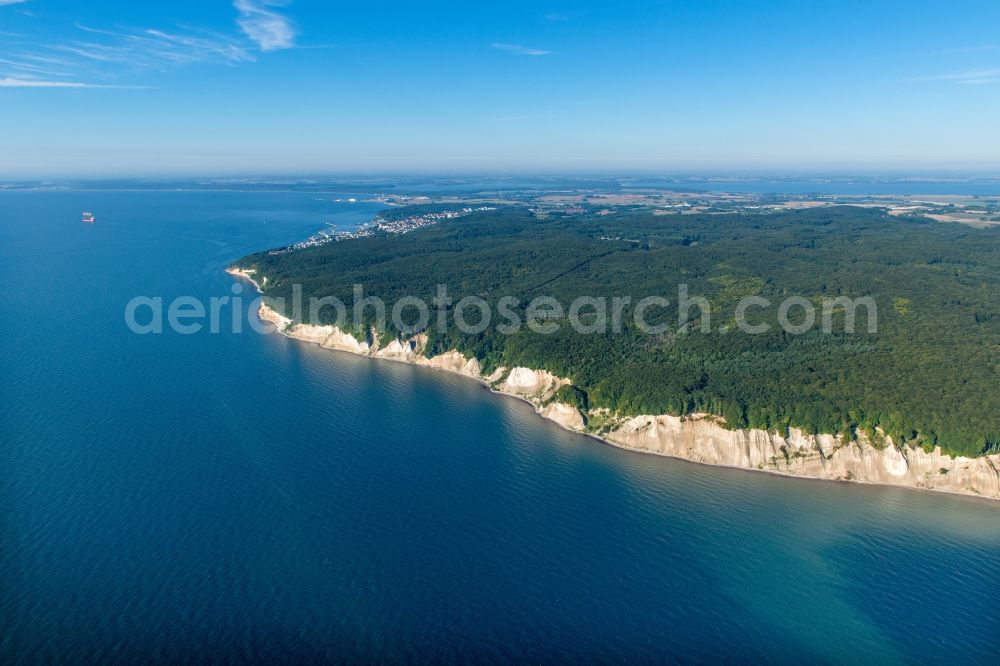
(251, 86)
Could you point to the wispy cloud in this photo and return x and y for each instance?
(970, 77)
(101, 58)
(190, 48)
(36, 83)
(555, 17)
(264, 26)
(32, 69)
(152, 48)
(12, 2)
(517, 49)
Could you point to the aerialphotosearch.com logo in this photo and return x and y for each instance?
(508, 315)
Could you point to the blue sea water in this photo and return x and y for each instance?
(246, 497)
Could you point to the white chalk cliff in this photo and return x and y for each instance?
(698, 437)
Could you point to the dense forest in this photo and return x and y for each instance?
(929, 375)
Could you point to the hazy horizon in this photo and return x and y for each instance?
(680, 176)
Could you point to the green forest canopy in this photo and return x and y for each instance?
(930, 375)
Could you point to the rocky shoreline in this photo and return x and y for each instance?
(698, 438)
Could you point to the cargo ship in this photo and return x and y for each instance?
(88, 218)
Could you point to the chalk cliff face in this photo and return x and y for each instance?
(697, 437)
(532, 383)
(452, 361)
(701, 439)
(565, 415)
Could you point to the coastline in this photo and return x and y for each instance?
(698, 438)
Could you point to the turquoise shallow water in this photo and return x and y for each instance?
(249, 497)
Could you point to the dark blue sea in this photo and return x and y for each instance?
(245, 497)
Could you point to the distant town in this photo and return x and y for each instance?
(381, 224)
